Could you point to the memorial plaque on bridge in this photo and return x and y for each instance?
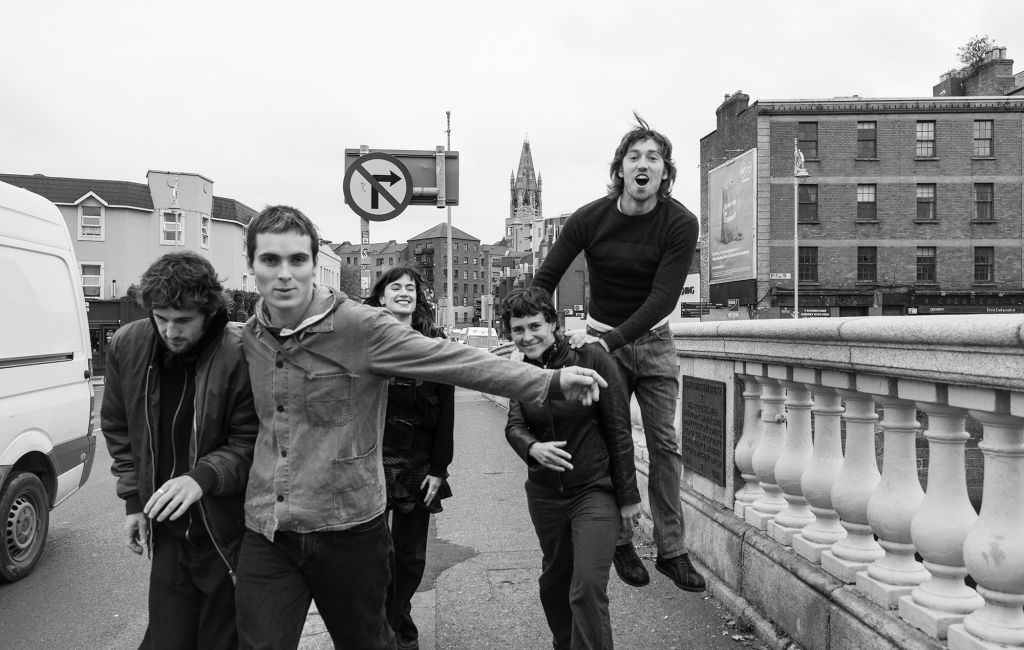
(703, 428)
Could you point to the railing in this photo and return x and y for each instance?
(806, 385)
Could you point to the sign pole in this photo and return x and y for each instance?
(364, 243)
(450, 310)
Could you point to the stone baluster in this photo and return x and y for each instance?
(942, 522)
(852, 490)
(822, 471)
(993, 549)
(896, 500)
(767, 454)
(748, 442)
(796, 455)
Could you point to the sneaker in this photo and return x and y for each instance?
(682, 572)
(629, 567)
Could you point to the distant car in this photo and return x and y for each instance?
(46, 395)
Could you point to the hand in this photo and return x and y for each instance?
(431, 484)
(581, 384)
(630, 516)
(172, 499)
(136, 532)
(551, 455)
(579, 338)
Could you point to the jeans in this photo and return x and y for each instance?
(191, 597)
(650, 367)
(346, 572)
(577, 537)
(409, 535)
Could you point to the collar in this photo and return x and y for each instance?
(325, 300)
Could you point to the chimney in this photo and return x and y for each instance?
(991, 76)
(732, 106)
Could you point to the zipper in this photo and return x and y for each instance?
(194, 453)
(174, 449)
(152, 460)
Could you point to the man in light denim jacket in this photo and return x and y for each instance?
(314, 507)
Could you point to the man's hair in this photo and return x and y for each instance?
(520, 303)
(184, 281)
(642, 132)
(422, 316)
(281, 218)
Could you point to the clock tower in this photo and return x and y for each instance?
(524, 202)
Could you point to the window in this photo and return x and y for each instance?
(465, 288)
(391, 261)
(925, 140)
(983, 209)
(90, 222)
(204, 230)
(92, 280)
(380, 261)
(867, 264)
(926, 264)
(465, 260)
(475, 260)
(866, 142)
(867, 208)
(808, 210)
(465, 303)
(455, 274)
(808, 267)
(474, 275)
(982, 137)
(171, 231)
(984, 263)
(807, 139)
(926, 202)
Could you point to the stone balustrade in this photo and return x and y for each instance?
(855, 523)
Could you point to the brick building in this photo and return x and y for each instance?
(910, 205)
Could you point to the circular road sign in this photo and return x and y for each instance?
(378, 186)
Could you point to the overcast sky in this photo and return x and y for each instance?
(264, 97)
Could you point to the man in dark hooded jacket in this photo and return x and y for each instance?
(180, 426)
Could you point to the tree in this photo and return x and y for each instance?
(349, 281)
(975, 49)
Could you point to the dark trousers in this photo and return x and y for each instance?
(577, 537)
(346, 572)
(191, 597)
(409, 536)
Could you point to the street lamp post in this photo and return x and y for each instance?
(799, 171)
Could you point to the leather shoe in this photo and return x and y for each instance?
(629, 567)
(682, 572)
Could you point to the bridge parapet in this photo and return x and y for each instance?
(823, 544)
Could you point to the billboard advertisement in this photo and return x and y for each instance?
(732, 205)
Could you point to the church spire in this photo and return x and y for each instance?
(524, 201)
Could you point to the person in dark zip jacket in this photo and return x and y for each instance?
(180, 425)
(419, 444)
(581, 483)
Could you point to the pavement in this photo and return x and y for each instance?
(483, 561)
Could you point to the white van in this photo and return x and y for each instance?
(481, 337)
(46, 396)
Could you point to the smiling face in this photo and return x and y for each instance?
(180, 329)
(282, 264)
(643, 171)
(400, 298)
(532, 334)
